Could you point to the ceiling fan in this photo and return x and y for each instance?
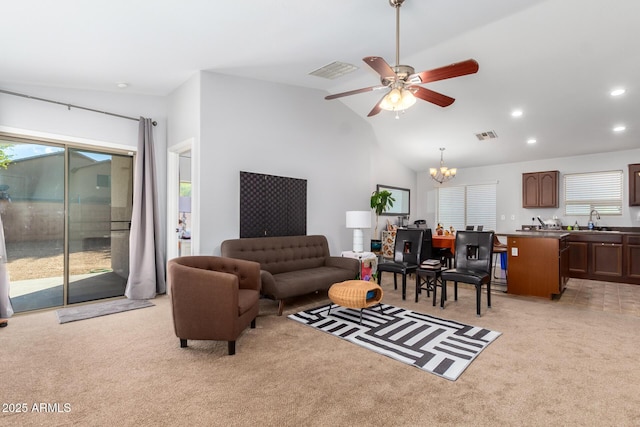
(403, 81)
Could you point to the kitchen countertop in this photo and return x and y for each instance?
(519, 232)
(548, 234)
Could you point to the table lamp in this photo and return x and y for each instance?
(358, 220)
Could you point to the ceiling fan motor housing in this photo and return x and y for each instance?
(402, 72)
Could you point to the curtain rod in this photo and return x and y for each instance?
(69, 106)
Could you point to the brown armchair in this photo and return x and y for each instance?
(213, 298)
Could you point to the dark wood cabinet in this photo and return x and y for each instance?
(634, 185)
(606, 259)
(602, 257)
(632, 258)
(578, 258)
(540, 189)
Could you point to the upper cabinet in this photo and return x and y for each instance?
(634, 185)
(540, 189)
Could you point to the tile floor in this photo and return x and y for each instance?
(602, 296)
(592, 295)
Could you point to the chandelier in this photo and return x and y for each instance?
(443, 173)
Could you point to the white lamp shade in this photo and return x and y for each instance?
(358, 219)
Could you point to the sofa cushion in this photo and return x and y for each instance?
(300, 282)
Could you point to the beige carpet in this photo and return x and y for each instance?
(555, 364)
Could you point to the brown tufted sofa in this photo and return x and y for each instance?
(292, 265)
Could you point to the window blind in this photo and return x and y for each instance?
(451, 210)
(467, 205)
(481, 206)
(601, 191)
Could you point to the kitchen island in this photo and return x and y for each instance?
(538, 263)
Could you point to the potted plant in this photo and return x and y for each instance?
(380, 202)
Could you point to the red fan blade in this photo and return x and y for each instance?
(375, 110)
(431, 96)
(353, 92)
(380, 66)
(470, 66)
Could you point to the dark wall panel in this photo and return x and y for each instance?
(272, 205)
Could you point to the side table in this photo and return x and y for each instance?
(430, 279)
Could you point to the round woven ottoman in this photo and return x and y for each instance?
(357, 294)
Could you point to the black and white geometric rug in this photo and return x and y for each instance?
(442, 347)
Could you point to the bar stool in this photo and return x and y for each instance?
(499, 248)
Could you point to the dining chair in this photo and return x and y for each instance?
(407, 250)
(472, 264)
(480, 228)
(469, 228)
(427, 251)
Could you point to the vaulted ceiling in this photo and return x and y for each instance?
(555, 60)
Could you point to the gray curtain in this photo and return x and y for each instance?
(6, 310)
(146, 260)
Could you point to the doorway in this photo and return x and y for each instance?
(66, 213)
(182, 199)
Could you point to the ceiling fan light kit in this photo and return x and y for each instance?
(398, 100)
(403, 82)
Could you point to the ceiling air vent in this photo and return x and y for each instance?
(334, 70)
(483, 136)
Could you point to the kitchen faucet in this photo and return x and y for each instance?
(591, 216)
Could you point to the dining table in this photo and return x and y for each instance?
(444, 241)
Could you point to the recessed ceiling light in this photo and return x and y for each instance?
(122, 85)
(619, 128)
(531, 141)
(516, 113)
(617, 92)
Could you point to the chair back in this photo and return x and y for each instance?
(474, 250)
(408, 245)
(480, 228)
(427, 251)
(469, 228)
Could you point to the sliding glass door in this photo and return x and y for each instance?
(66, 214)
(99, 217)
(32, 210)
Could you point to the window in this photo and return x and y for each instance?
(601, 191)
(470, 204)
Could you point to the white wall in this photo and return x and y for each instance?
(184, 112)
(509, 195)
(289, 131)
